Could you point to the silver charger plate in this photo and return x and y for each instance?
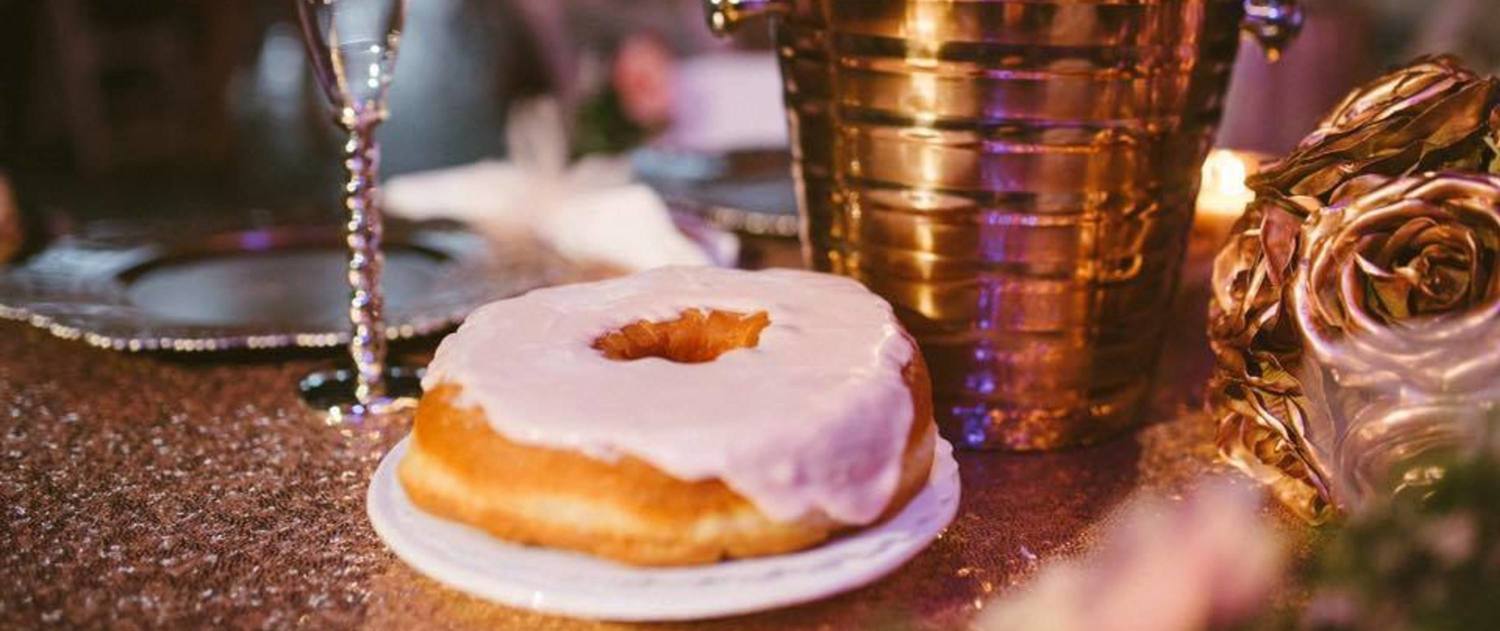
(264, 287)
(749, 191)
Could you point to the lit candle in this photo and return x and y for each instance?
(1222, 196)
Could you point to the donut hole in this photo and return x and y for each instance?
(695, 337)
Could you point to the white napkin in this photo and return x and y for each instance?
(588, 211)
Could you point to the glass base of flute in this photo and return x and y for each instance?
(335, 393)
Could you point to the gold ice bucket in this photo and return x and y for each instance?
(1017, 178)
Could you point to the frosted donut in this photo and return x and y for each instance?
(677, 416)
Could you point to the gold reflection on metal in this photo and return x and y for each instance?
(1017, 178)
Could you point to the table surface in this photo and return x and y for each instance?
(193, 491)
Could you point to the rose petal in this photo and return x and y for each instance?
(1280, 232)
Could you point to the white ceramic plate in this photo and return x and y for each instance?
(582, 586)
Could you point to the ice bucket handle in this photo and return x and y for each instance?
(726, 15)
(1272, 22)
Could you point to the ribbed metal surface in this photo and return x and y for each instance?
(1017, 178)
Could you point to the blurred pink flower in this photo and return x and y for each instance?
(643, 78)
(1207, 562)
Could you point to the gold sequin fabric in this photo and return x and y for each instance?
(157, 491)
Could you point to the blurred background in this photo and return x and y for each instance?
(189, 108)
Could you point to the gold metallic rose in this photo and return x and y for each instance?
(1370, 334)
(1398, 301)
(1398, 287)
(1432, 114)
(1258, 401)
(1347, 276)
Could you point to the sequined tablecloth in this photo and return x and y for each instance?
(192, 492)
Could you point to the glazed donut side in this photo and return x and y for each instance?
(457, 467)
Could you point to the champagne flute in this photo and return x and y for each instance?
(353, 45)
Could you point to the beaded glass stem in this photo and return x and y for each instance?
(353, 45)
(367, 338)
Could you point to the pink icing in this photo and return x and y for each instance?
(814, 418)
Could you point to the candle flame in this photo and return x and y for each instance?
(1223, 189)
